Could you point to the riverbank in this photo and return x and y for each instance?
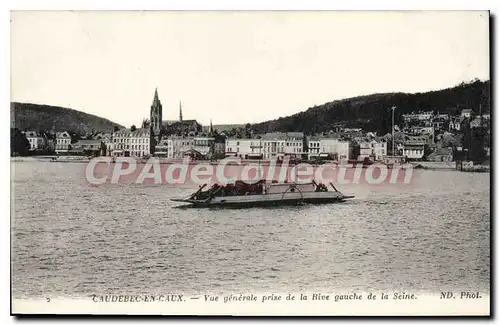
(83, 159)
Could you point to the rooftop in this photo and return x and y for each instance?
(282, 135)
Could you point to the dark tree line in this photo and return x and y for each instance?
(19, 144)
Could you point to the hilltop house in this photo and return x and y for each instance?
(466, 113)
(455, 124)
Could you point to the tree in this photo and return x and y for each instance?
(133, 128)
(19, 144)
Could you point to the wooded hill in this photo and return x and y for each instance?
(48, 118)
(373, 112)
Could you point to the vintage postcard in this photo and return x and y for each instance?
(251, 163)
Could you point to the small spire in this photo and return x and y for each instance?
(180, 111)
(211, 130)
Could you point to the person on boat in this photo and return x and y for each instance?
(321, 188)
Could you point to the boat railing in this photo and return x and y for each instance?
(292, 188)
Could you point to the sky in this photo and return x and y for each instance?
(237, 67)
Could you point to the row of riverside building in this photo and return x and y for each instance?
(176, 139)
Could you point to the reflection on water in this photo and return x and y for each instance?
(73, 240)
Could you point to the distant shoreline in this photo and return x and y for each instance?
(432, 166)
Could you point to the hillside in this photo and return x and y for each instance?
(373, 113)
(53, 118)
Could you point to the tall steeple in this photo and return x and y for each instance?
(156, 99)
(156, 114)
(180, 111)
(211, 129)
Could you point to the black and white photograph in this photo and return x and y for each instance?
(250, 163)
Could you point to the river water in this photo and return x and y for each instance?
(70, 239)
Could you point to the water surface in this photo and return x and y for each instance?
(73, 240)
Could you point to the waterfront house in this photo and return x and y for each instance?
(121, 142)
(246, 148)
(91, 147)
(63, 142)
(413, 147)
(313, 148)
(279, 144)
(140, 142)
(328, 148)
(373, 149)
(37, 140)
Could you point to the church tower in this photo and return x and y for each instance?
(156, 114)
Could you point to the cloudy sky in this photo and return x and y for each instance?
(237, 67)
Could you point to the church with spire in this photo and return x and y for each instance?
(181, 127)
(156, 115)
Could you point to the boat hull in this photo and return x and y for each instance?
(278, 199)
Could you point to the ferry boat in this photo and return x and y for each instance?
(243, 194)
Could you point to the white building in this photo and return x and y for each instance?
(418, 116)
(336, 148)
(37, 140)
(278, 145)
(63, 142)
(176, 147)
(244, 148)
(313, 147)
(140, 142)
(374, 149)
(121, 142)
(332, 148)
(413, 147)
(203, 147)
(466, 113)
(455, 124)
